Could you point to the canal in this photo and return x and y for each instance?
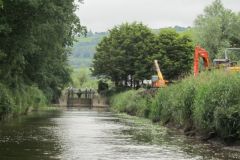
(84, 134)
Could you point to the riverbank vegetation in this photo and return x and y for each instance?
(35, 37)
(207, 105)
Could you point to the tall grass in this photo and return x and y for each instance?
(217, 104)
(207, 103)
(131, 102)
(19, 101)
(6, 101)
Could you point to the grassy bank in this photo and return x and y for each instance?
(208, 105)
(21, 100)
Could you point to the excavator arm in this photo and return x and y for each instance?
(160, 82)
(200, 52)
(159, 73)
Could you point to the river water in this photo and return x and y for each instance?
(84, 134)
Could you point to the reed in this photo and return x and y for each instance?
(209, 103)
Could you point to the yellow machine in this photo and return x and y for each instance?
(227, 63)
(158, 80)
(224, 63)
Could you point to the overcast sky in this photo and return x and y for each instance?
(101, 15)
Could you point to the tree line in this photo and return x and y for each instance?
(126, 55)
(35, 37)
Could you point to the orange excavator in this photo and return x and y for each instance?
(218, 63)
(200, 52)
(158, 80)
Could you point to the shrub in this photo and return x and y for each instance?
(6, 101)
(183, 97)
(28, 97)
(18, 101)
(130, 102)
(219, 95)
(227, 122)
(161, 106)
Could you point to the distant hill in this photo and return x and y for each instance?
(84, 48)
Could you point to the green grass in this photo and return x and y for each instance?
(207, 103)
(19, 101)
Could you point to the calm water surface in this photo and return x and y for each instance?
(84, 134)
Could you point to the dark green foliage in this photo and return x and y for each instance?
(227, 122)
(34, 41)
(124, 55)
(206, 104)
(6, 101)
(175, 53)
(102, 86)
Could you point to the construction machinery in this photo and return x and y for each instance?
(225, 62)
(228, 63)
(200, 52)
(158, 80)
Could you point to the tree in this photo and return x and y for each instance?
(175, 53)
(34, 41)
(124, 55)
(217, 28)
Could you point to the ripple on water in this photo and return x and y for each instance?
(92, 135)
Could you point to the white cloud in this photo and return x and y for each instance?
(101, 15)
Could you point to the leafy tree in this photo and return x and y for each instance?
(34, 41)
(124, 55)
(174, 54)
(217, 28)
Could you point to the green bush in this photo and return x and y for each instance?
(218, 95)
(183, 96)
(28, 97)
(174, 103)
(131, 102)
(161, 106)
(6, 101)
(227, 122)
(18, 101)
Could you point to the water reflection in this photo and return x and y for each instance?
(28, 138)
(83, 134)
